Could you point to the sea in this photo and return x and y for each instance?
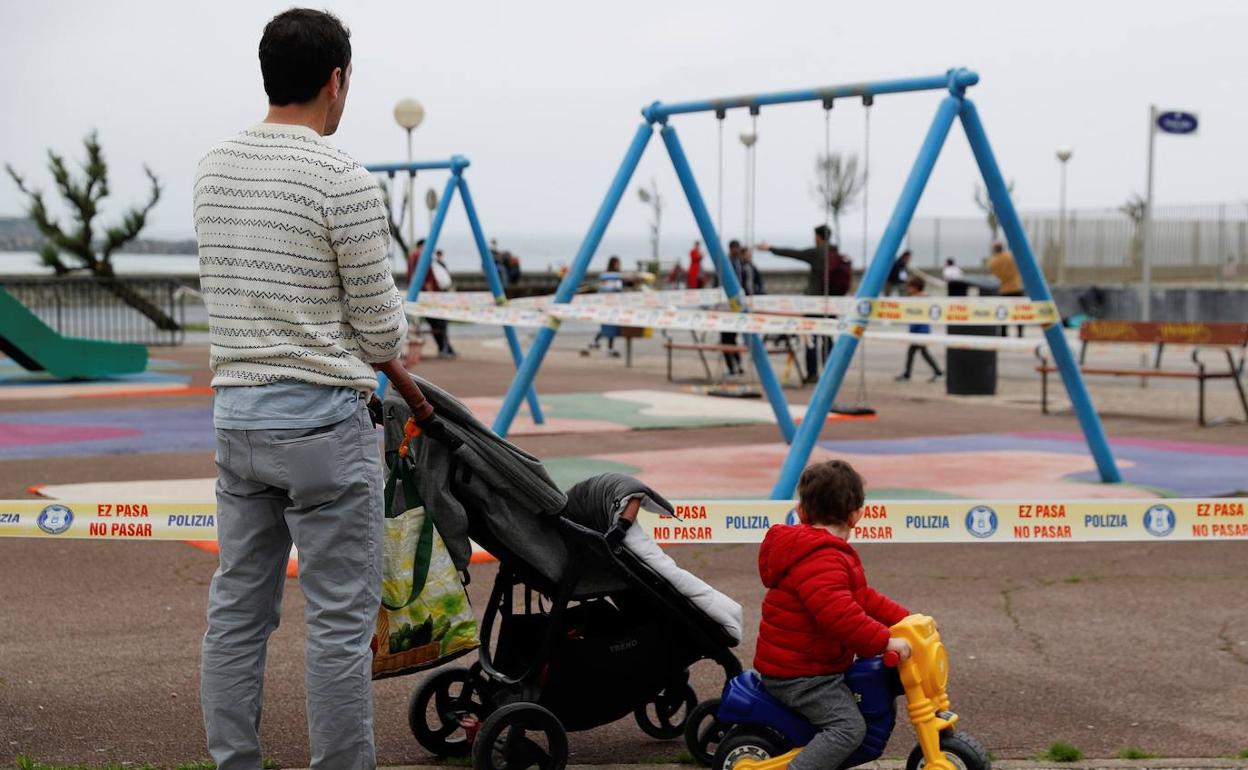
(538, 252)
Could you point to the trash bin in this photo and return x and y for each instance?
(972, 372)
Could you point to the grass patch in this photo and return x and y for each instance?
(685, 758)
(1134, 752)
(1061, 752)
(195, 326)
(23, 762)
(1242, 755)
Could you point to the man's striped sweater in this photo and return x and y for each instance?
(294, 262)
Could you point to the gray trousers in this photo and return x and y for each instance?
(321, 489)
(829, 705)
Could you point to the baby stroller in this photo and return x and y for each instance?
(588, 620)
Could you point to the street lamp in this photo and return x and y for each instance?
(1063, 155)
(409, 114)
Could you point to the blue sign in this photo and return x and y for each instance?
(1177, 122)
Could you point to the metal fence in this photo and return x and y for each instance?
(104, 309)
(1205, 244)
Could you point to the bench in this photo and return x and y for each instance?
(629, 333)
(1224, 336)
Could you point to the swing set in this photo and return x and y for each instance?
(801, 439)
(456, 182)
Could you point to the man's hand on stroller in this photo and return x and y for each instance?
(421, 409)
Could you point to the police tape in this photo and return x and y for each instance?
(735, 521)
(659, 298)
(984, 311)
(699, 320)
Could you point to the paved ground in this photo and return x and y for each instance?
(1103, 646)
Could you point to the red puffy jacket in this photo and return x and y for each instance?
(819, 611)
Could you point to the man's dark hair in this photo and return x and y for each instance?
(421, 242)
(916, 282)
(299, 50)
(829, 492)
(905, 254)
(734, 244)
(823, 232)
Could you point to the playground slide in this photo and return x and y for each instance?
(36, 346)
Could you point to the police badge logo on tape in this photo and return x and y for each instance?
(864, 308)
(1159, 520)
(55, 519)
(981, 521)
(1003, 312)
(933, 312)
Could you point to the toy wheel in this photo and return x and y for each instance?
(962, 749)
(704, 732)
(441, 709)
(665, 716)
(518, 736)
(742, 743)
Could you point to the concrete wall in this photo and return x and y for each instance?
(1169, 304)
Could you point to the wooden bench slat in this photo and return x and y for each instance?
(1213, 333)
(1134, 372)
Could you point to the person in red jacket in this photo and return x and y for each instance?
(819, 613)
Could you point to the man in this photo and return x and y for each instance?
(732, 359)
(439, 279)
(830, 275)
(1001, 265)
(295, 271)
(695, 279)
(899, 275)
(951, 271)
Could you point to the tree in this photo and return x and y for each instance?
(1134, 208)
(87, 253)
(837, 185)
(652, 199)
(984, 201)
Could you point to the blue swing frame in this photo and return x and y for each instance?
(802, 439)
(456, 182)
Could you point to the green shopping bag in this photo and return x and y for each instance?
(425, 618)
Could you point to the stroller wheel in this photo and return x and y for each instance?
(665, 716)
(444, 711)
(704, 732)
(519, 736)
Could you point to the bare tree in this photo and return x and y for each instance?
(651, 198)
(1134, 208)
(79, 245)
(984, 201)
(837, 185)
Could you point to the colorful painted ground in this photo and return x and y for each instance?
(985, 466)
(135, 430)
(161, 378)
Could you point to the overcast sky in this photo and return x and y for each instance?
(544, 96)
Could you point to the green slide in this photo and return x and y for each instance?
(36, 346)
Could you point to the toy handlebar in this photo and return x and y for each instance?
(891, 659)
